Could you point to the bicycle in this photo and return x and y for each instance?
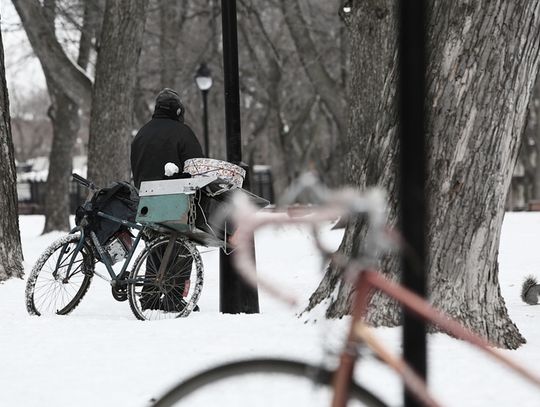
(337, 385)
(165, 281)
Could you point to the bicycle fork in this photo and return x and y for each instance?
(359, 332)
(343, 375)
(73, 254)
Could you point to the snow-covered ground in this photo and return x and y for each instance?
(100, 355)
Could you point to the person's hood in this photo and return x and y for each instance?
(163, 112)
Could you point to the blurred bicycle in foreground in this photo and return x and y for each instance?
(278, 382)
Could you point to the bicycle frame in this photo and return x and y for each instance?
(114, 278)
(101, 251)
(369, 280)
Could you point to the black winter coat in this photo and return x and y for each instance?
(158, 142)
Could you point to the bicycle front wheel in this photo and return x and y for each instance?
(60, 278)
(172, 293)
(262, 382)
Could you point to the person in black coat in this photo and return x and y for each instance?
(165, 138)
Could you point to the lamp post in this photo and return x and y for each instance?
(236, 296)
(412, 141)
(203, 79)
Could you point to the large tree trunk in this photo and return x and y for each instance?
(10, 240)
(64, 115)
(483, 77)
(113, 93)
(371, 137)
(483, 59)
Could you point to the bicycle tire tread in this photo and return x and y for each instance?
(30, 284)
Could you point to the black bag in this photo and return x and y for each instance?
(120, 199)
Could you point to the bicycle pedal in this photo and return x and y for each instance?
(119, 293)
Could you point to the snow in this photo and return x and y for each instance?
(100, 355)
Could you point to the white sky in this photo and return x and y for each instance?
(23, 70)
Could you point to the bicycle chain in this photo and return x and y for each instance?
(192, 213)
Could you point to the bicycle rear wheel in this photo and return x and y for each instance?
(176, 292)
(53, 287)
(262, 382)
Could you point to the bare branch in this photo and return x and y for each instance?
(62, 69)
(323, 83)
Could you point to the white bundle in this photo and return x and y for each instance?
(171, 169)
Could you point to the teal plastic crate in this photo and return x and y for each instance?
(163, 203)
(167, 203)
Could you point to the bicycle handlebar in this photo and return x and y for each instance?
(84, 182)
(335, 204)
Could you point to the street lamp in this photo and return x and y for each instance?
(203, 79)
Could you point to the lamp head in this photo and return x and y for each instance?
(203, 77)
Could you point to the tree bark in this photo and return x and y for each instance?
(483, 59)
(92, 18)
(170, 27)
(113, 93)
(10, 240)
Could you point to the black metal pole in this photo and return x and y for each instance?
(412, 67)
(236, 296)
(205, 122)
(231, 78)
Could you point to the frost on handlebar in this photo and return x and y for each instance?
(327, 206)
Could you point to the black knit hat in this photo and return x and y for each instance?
(166, 96)
(169, 100)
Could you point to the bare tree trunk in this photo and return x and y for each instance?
(10, 240)
(92, 18)
(141, 110)
(330, 90)
(64, 115)
(371, 138)
(530, 147)
(483, 61)
(312, 61)
(168, 66)
(113, 93)
(480, 134)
